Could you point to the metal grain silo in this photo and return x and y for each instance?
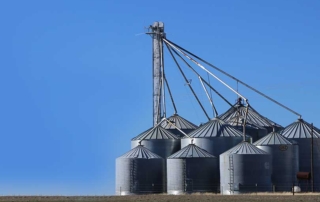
(285, 160)
(254, 131)
(179, 122)
(215, 137)
(239, 110)
(140, 171)
(191, 170)
(245, 168)
(158, 140)
(301, 132)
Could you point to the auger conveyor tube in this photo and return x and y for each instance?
(225, 73)
(194, 71)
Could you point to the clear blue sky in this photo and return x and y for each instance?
(75, 78)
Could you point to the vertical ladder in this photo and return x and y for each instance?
(185, 174)
(133, 177)
(231, 174)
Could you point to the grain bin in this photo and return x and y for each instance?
(140, 171)
(300, 131)
(245, 168)
(215, 137)
(239, 110)
(191, 169)
(158, 140)
(285, 160)
(179, 122)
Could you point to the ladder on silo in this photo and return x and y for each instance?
(231, 173)
(133, 177)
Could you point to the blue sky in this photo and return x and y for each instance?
(76, 78)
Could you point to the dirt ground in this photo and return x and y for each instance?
(168, 198)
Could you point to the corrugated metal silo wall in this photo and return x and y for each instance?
(214, 145)
(123, 176)
(201, 175)
(176, 176)
(247, 173)
(224, 174)
(296, 156)
(285, 165)
(305, 161)
(140, 176)
(251, 170)
(192, 175)
(162, 147)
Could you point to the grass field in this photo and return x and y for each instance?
(167, 198)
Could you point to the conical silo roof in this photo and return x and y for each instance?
(239, 110)
(140, 152)
(245, 148)
(215, 128)
(191, 151)
(156, 133)
(179, 122)
(237, 121)
(300, 129)
(272, 138)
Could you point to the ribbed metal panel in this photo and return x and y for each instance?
(273, 138)
(140, 152)
(176, 176)
(300, 129)
(181, 123)
(191, 169)
(155, 133)
(215, 128)
(191, 151)
(238, 112)
(159, 141)
(162, 147)
(245, 168)
(140, 171)
(245, 148)
(300, 132)
(214, 145)
(256, 132)
(285, 160)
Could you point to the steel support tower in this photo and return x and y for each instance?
(157, 32)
